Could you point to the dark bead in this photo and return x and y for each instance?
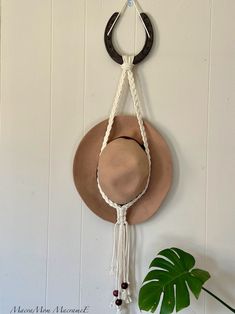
(115, 293)
(118, 302)
(124, 285)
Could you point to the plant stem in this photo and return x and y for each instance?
(218, 299)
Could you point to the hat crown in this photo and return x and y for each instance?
(123, 170)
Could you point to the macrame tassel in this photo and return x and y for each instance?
(120, 260)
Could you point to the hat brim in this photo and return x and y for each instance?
(86, 161)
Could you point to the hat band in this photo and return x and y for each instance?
(121, 245)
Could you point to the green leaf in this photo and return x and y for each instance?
(171, 274)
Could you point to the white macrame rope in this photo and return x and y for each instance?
(127, 71)
(121, 242)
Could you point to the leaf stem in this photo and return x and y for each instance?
(218, 299)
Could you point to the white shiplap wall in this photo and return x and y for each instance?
(56, 82)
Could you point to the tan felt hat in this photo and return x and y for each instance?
(123, 169)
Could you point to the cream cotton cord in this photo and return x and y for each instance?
(121, 242)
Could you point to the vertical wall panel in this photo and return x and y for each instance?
(221, 157)
(66, 129)
(25, 120)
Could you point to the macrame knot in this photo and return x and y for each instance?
(127, 63)
(127, 66)
(121, 215)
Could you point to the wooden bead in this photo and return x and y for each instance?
(118, 302)
(124, 285)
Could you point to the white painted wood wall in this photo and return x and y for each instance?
(57, 81)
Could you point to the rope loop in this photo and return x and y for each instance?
(127, 72)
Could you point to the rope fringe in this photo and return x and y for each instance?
(121, 236)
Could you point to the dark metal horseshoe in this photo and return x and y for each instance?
(110, 47)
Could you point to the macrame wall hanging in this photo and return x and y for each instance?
(122, 167)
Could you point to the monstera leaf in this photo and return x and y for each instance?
(171, 275)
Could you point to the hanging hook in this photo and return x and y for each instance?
(148, 31)
(129, 3)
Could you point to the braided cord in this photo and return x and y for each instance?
(127, 71)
